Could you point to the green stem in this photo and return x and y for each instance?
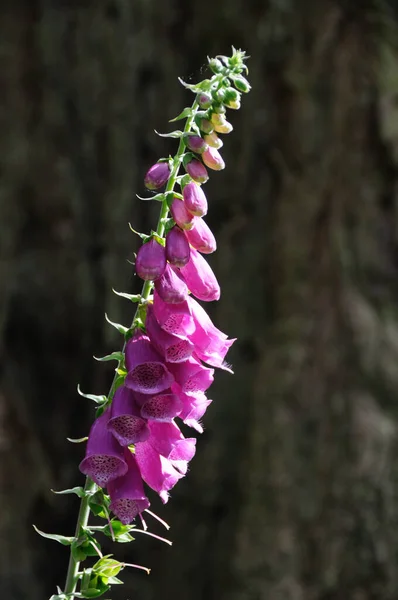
(73, 574)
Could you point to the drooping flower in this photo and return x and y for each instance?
(191, 376)
(177, 247)
(211, 344)
(156, 470)
(181, 215)
(127, 494)
(195, 199)
(157, 176)
(151, 260)
(200, 278)
(104, 459)
(201, 237)
(163, 407)
(167, 439)
(213, 159)
(194, 407)
(125, 423)
(173, 348)
(171, 286)
(147, 372)
(197, 171)
(174, 318)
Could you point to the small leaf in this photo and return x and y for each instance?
(62, 539)
(79, 491)
(187, 112)
(121, 328)
(158, 197)
(114, 356)
(143, 236)
(114, 581)
(173, 134)
(132, 297)
(96, 399)
(107, 567)
(93, 593)
(78, 440)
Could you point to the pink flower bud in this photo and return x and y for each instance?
(213, 159)
(157, 176)
(171, 286)
(221, 125)
(181, 215)
(201, 237)
(151, 260)
(197, 171)
(195, 199)
(213, 140)
(196, 143)
(204, 100)
(177, 247)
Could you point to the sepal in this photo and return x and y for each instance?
(61, 539)
(119, 356)
(121, 328)
(187, 112)
(97, 399)
(173, 134)
(79, 491)
(132, 297)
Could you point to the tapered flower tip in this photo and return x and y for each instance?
(195, 199)
(172, 347)
(191, 376)
(173, 318)
(104, 460)
(151, 260)
(171, 286)
(200, 278)
(211, 344)
(156, 470)
(201, 237)
(125, 423)
(213, 159)
(127, 492)
(177, 247)
(181, 215)
(147, 373)
(162, 407)
(193, 409)
(197, 171)
(157, 176)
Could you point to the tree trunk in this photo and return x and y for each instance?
(293, 494)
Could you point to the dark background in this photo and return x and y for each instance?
(293, 493)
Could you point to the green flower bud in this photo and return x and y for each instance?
(216, 65)
(242, 84)
(232, 98)
(204, 100)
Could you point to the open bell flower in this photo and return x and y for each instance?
(146, 371)
(104, 458)
(125, 423)
(173, 348)
(156, 470)
(174, 318)
(126, 493)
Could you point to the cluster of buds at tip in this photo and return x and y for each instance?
(173, 348)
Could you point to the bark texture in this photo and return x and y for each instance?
(293, 494)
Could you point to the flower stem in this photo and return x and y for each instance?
(73, 574)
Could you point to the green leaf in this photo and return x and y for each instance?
(157, 197)
(132, 297)
(78, 440)
(143, 236)
(94, 592)
(62, 539)
(79, 491)
(114, 581)
(78, 553)
(121, 328)
(96, 399)
(114, 356)
(187, 112)
(173, 134)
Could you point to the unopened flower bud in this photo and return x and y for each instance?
(201, 237)
(213, 159)
(181, 215)
(213, 140)
(177, 247)
(219, 108)
(205, 125)
(195, 199)
(197, 171)
(223, 126)
(216, 65)
(242, 84)
(232, 99)
(195, 143)
(204, 100)
(157, 176)
(151, 260)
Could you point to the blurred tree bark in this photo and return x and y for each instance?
(293, 494)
